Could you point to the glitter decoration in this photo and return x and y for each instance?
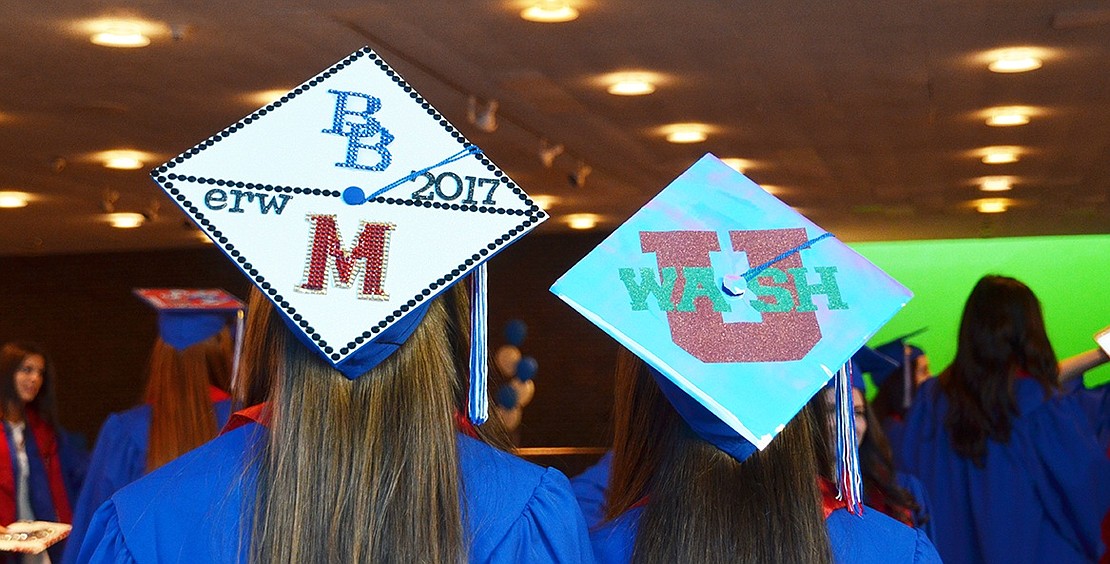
(369, 256)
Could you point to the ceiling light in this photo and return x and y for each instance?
(549, 11)
(1015, 60)
(1009, 115)
(122, 32)
(265, 97)
(992, 205)
(686, 132)
(14, 199)
(996, 183)
(545, 201)
(631, 84)
(1006, 120)
(126, 220)
(122, 159)
(771, 188)
(582, 220)
(999, 155)
(739, 165)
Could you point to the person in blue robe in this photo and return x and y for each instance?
(202, 506)
(119, 458)
(589, 489)
(185, 402)
(852, 537)
(1016, 468)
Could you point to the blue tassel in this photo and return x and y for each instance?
(849, 481)
(478, 406)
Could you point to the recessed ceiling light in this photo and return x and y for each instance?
(1006, 120)
(739, 165)
(1015, 60)
(10, 199)
(582, 220)
(771, 188)
(999, 155)
(122, 32)
(549, 11)
(996, 183)
(264, 97)
(631, 84)
(545, 201)
(686, 132)
(126, 220)
(120, 39)
(993, 205)
(123, 159)
(1004, 116)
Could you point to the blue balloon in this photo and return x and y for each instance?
(506, 397)
(526, 368)
(515, 331)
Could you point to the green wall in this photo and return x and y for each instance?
(1070, 275)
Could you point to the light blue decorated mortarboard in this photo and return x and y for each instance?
(189, 316)
(351, 202)
(744, 307)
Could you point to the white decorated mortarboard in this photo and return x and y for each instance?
(743, 307)
(351, 202)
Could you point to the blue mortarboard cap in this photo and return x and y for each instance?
(870, 361)
(333, 200)
(702, 421)
(742, 306)
(189, 316)
(900, 353)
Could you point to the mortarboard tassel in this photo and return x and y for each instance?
(237, 352)
(848, 479)
(478, 406)
(907, 378)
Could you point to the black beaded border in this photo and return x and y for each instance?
(280, 301)
(163, 176)
(532, 211)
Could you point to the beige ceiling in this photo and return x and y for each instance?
(866, 114)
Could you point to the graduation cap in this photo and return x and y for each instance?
(189, 316)
(905, 356)
(870, 361)
(351, 202)
(744, 308)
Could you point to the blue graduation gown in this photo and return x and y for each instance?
(923, 517)
(1040, 496)
(872, 538)
(590, 487)
(199, 508)
(118, 459)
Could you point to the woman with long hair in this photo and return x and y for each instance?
(677, 496)
(380, 468)
(32, 481)
(185, 402)
(1016, 468)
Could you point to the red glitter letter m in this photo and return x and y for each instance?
(327, 254)
(782, 336)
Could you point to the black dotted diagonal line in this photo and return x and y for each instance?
(248, 269)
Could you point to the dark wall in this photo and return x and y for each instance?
(81, 309)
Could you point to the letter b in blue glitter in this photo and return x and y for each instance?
(357, 126)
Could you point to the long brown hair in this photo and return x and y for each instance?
(11, 356)
(177, 390)
(362, 470)
(1002, 335)
(704, 506)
